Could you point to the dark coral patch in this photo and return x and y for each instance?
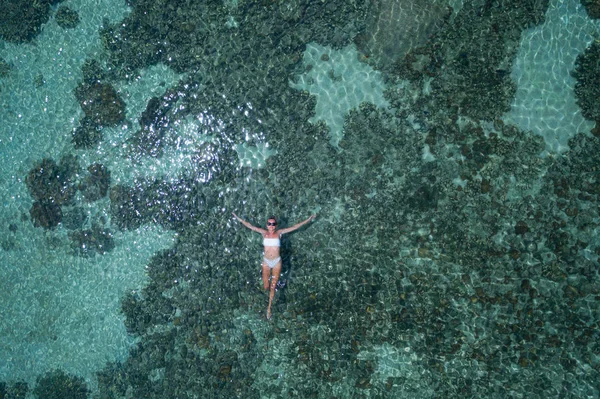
(93, 241)
(592, 7)
(87, 135)
(96, 184)
(67, 18)
(150, 139)
(587, 88)
(50, 182)
(101, 104)
(4, 68)
(128, 207)
(57, 384)
(21, 20)
(45, 214)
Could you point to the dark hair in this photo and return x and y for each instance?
(272, 218)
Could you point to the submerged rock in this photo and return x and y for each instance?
(587, 88)
(67, 18)
(125, 207)
(17, 390)
(149, 140)
(101, 103)
(52, 183)
(96, 184)
(45, 214)
(87, 135)
(4, 68)
(57, 384)
(92, 72)
(96, 240)
(21, 20)
(592, 7)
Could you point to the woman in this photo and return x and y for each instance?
(271, 265)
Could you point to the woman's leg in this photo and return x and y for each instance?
(266, 273)
(275, 273)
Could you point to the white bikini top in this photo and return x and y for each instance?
(271, 242)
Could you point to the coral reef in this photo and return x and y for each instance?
(17, 390)
(170, 204)
(433, 267)
(95, 185)
(4, 68)
(51, 185)
(592, 7)
(57, 384)
(154, 121)
(87, 135)
(21, 20)
(448, 259)
(92, 72)
(96, 240)
(101, 104)
(51, 182)
(587, 88)
(73, 217)
(470, 60)
(66, 18)
(45, 214)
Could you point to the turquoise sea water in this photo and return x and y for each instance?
(446, 147)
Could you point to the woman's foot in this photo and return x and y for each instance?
(269, 314)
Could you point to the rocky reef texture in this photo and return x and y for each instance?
(95, 185)
(592, 7)
(96, 240)
(448, 258)
(101, 104)
(467, 66)
(4, 68)
(59, 385)
(21, 20)
(45, 214)
(66, 17)
(150, 140)
(395, 27)
(18, 390)
(87, 135)
(51, 185)
(587, 88)
(52, 182)
(172, 204)
(54, 186)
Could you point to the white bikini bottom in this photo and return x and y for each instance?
(272, 262)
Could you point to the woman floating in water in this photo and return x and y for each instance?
(271, 264)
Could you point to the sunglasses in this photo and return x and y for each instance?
(271, 224)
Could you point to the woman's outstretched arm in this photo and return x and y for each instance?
(297, 226)
(248, 225)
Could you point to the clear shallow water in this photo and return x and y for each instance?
(451, 257)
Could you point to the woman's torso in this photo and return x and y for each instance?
(271, 250)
